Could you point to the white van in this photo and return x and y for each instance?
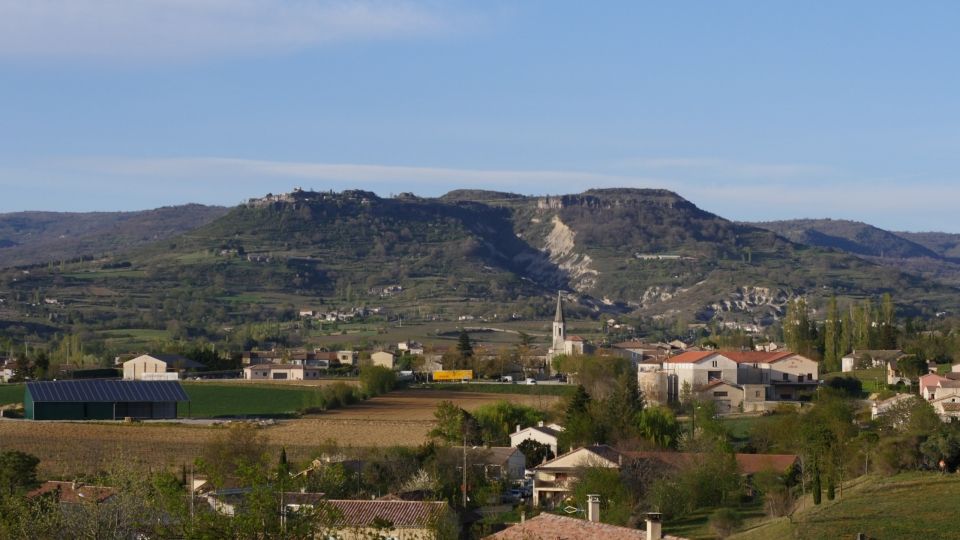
(531, 380)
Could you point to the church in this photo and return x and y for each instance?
(562, 343)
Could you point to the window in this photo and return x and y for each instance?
(786, 376)
(714, 375)
(757, 393)
(714, 364)
(719, 394)
(810, 377)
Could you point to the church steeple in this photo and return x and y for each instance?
(559, 326)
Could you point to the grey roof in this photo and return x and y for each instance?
(95, 390)
(559, 316)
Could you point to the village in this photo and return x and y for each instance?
(523, 469)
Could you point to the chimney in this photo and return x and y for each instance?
(593, 508)
(523, 516)
(540, 423)
(654, 526)
(518, 428)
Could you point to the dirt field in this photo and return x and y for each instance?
(403, 417)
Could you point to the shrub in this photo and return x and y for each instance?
(724, 521)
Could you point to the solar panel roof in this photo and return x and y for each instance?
(106, 391)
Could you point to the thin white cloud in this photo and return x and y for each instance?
(191, 29)
(403, 178)
(714, 168)
(153, 182)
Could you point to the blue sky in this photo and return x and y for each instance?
(752, 110)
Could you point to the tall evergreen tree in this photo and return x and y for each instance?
(464, 346)
(831, 338)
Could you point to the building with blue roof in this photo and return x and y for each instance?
(102, 400)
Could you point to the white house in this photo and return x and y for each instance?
(547, 435)
(281, 372)
(157, 367)
(696, 369)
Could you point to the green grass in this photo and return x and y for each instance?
(211, 400)
(97, 274)
(11, 393)
(905, 506)
(696, 525)
(519, 388)
(868, 377)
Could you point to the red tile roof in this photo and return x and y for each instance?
(748, 463)
(690, 357)
(553, 527)
(717, 382)
(402, 514)
(756, 357)
(70, 492)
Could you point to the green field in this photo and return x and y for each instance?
(871, 378)
(519, 388)
(905, 506)
(211, 400)
(11, 393)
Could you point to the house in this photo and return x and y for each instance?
(282, 372)
(694, 369)
(894, 374)
(410, 347)
(383, 359)
(728, 396)
(399, 520)
(93, 399)
(788, 375)
(547, 435)
(554, 480)
(498, 462)
(158, 367)
(933, 386)
(868, 358)
(879, 408)
(548, 526)
(7, 369)
(72, 493)
(947, 407)
(348, 358)
(754, 376)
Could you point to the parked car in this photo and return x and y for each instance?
(506, 378)
(531, 380)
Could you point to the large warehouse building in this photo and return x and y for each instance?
(102, 400)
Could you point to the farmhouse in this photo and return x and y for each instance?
(158, 367)
(102, 400)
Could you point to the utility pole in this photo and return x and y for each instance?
(464, 429)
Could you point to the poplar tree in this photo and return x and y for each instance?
(831, 338)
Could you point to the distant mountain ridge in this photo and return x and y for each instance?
(475, 253)
(40, 237)
(933, 255)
